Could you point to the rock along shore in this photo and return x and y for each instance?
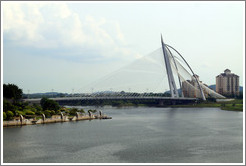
(53, 119)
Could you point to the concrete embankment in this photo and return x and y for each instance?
(53, 119)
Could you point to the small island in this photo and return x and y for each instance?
(18, 113)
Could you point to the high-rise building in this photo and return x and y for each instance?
(191, 88)
(227, 83)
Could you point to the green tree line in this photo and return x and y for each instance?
(13, 106)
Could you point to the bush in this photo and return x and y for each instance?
(29, 112)
(47, 113)
(52, 112)
(39, 113)
(58, 112)
(7, 106)
(93, 111)
(18, 113)
(37, 107)
(48, 104)
(73, 111)
(4, 116)
(81, 110)
(31, 108)
(21, 105)
(10, 115)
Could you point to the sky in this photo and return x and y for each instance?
(63, 46)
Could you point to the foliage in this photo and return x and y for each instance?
(47, 113)
(93, 111)
(12, 91)
(18, 113)
(21, 105)
(48, 104)
(7, 106)
(81, 110)
(17, 108)
(73, 111)
(4, 116)
(10, 115)
(233, 107)
(52, 112)
(37, 107)
(58, 112)
(29, 112)
(39, 112)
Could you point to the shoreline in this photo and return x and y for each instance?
(225, 108)
(16, 123)
(61, 119)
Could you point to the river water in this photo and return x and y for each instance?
(133, 135)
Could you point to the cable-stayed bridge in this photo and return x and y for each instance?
(162, 76)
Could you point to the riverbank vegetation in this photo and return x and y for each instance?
(14, 107)
(49, 108)
(234, 105)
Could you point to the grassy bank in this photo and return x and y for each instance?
(235, 105)
(231, 107)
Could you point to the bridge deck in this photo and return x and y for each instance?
(112, 98)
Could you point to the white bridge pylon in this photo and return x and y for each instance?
(172, 85)
(171, 81)
(194, 86)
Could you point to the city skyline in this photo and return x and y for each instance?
(64, 46)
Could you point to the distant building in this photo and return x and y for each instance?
(191, 88)
(227, 83)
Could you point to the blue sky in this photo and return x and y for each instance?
(64, 46)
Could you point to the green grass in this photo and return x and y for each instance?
(199, 105)
(235, 105)
(230, 107)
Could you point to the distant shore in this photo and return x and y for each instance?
(227, 108)
(234, 105)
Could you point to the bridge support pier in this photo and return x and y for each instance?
(173, 102)
(161, 103)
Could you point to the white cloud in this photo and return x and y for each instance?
(50, 25)
(18, 25)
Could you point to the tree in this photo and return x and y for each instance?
(18, 113)
(29, 112)
(52, 112)
(4, 116)
(93, 111)
(37, 107)
(48, 104)
(57, 112)
(47, 113)
(81, 110)
(10, 115)
(73, 111)
(12, 91)
(7, 106)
